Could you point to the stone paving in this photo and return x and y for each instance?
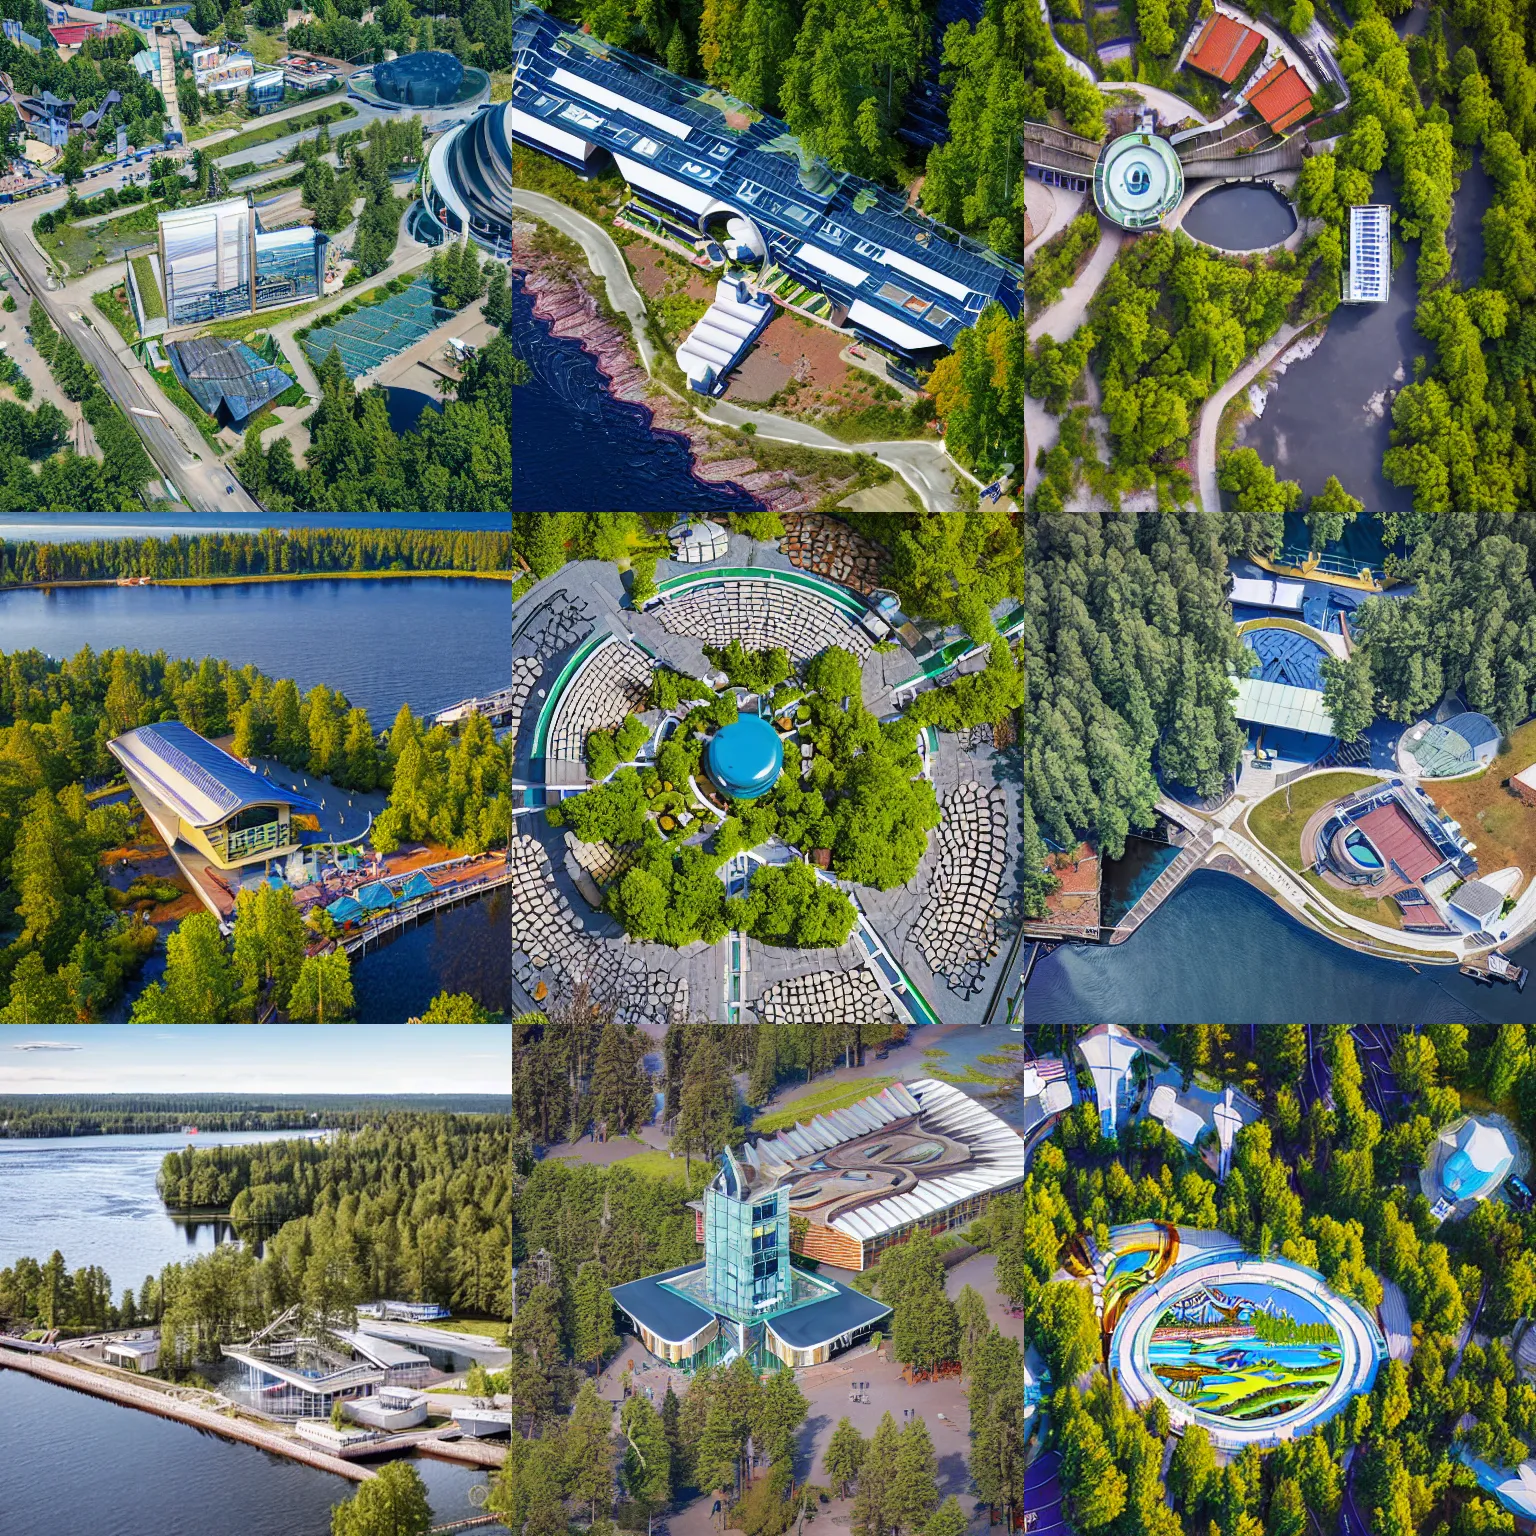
(957, 930)
(525, 673)
(831, 548)
(824, 997)
(763, 614)
(558, 624)
(551, 947)
(613, 682)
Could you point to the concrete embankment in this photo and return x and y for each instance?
(131, 1395)
(475, 1453)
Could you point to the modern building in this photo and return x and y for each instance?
(1110, 1051)
(141, 1355)
(1046, 1089)
(216, 259)
(1266, 592)
(745, 759)
(711, 162)
(304, 73)
(390, 1408)
(698, 541)
(402, 1367)
(264, 92)
(21, 39)
(408, 1311)
(1224, 47)
(207, 806)
(1468, 1162)
(429, 83)
(1281, 96)
(723, 336)
(1523, 784)
(1138, 179)
(1393, 839)
(230, 380)
(1368, 277)
(144, 18)
(1281, 699)
(299, 1379)
(746, 1298)
(1447, 749)
(73, 34)
(218, 69)
(481, 1420)
(466, 184)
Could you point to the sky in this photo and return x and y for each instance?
(257, 1058)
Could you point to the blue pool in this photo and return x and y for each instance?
(1362, 851)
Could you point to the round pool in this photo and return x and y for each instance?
(746, 758)
(1240, 218)
(1362, 851)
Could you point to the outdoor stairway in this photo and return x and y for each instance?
(1161, 888)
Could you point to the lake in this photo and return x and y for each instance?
(77, 1463)
(1218, 951)
(1240, 218)
(577, 449)
(94, 1199)
(406, 405)
(425, 641)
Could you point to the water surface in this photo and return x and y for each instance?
(94, 1199)
(76, 1463)
(425, 641)
(1240, 218)
(406, 406)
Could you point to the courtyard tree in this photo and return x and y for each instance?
(843, 1460)
(647, 1466)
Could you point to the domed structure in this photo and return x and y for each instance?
(466, 184)
(745, 759)
(419, 79)
(1138, 180)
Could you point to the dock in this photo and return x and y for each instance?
(430, 1442)
(130, 1394)
(394, 921)
(1163, 887)
(1495, 967)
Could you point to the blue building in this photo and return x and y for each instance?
(734, 174)
(145, 17)
(265, 92)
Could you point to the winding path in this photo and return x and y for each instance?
(925, 466)
(1210, 412)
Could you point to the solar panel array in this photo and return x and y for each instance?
(380, 331)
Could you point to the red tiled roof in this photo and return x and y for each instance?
(1395, 837)
(68, 36)
(1224, 46)
(1281, 97)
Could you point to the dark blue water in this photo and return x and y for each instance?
(150, 1474)
(1128, 879)
(577, 449)
(1219, 952)
(1240, 218)
(406, 406)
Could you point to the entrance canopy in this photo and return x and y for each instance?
(1281, 704)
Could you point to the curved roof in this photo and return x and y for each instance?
(1137, 180)
(419, 79)
(1482, 1158)
(471, 169)
(201, 782)
(746, 758)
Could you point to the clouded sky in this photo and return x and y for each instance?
(257, 1058)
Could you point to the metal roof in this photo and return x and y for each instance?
(199, 780)
(381, 1351)
(697, 147)
(1280, 704)
(672, 1318)
(823, 1321)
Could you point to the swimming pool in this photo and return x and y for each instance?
(1362, 851)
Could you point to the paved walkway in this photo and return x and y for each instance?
(1073, 62)
(1174, 109)
(1210, 413)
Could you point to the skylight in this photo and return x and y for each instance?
(646, 147)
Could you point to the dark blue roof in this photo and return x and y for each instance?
(819, 1322)
(220, 373)
(1474, 729)
(419, 79)
(759, 168)
(667, 1315)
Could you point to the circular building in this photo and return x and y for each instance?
(1138, 180)
(466, 184)
(1463, 744)
(419, 79)
(745, 759)
(1256, 1351)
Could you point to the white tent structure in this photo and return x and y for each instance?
(717, 343)
(1266, 592)
(1109, 1051)
(1180, 1120)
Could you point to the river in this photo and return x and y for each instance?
(75, 1463)
(426, 641)
(93, 1198)
(577, 449)
(1218, 951)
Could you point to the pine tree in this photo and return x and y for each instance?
(589, 1451)
(322, 991)
(844, 1456)
(706, 1112)
(360, 758)
(874, 1507)
(621, 1092)
(765, 1066)
(647, 1456)
(592, 1333)
(915, 1492)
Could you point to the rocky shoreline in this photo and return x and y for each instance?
(562, 301)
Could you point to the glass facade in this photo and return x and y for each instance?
(208, 254)
(746, 1245)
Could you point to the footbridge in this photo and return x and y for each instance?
(1057, 150)
(1224, 163)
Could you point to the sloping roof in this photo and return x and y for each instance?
(345, 910)
(1281, 97)
(823, 1321)
(1223, 47)
(1395, 836)
(1479, 900)
(375, 897)
(1266, 592)
(223, 373)
(417, 885)
(200, 781)
(1295, 709)
(672, 1318)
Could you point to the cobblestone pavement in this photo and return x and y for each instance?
(958, 925)
(763, 614)
(831, 549)
(612, 683)
(550, 945)
(843, 997)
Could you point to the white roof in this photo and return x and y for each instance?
(134, 1346)
(833, 264)
(1180, 1120)
(617, 103)
(926, 275)
(1527, 776)
(1282, 704)
(1486, 1145)
(866, 314)
(1370, 253)
(1267, 593)
(1478, 900)
(998, 1151)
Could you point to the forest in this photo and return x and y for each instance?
(113, 1114)
(269, 552)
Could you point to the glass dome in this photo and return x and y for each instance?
(419, 79)
(745, 759)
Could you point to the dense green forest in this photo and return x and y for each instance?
(73, 945)
(270, 552)
(111, 1114)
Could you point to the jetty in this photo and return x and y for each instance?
(398, 918)
(1495, 967)
(496, 707)
(131, 1394)
(1188, 856)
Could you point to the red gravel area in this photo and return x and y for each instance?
(789, 349)
(654, 267)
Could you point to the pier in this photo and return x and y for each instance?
(130, 1394)
(496, 707)
(1161, 888)
(395, 920)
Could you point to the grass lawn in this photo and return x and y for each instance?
(243, 327)
(501, 86)
(207, 427)
(1279, 829)
(834, 1096)
(265, 47)
(660, 1165)
(1503, 827)
(149, 289)
(116, 310)
(337, 112)
(1374, 909)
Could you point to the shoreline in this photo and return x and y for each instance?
(238, 581)
(563, 302)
